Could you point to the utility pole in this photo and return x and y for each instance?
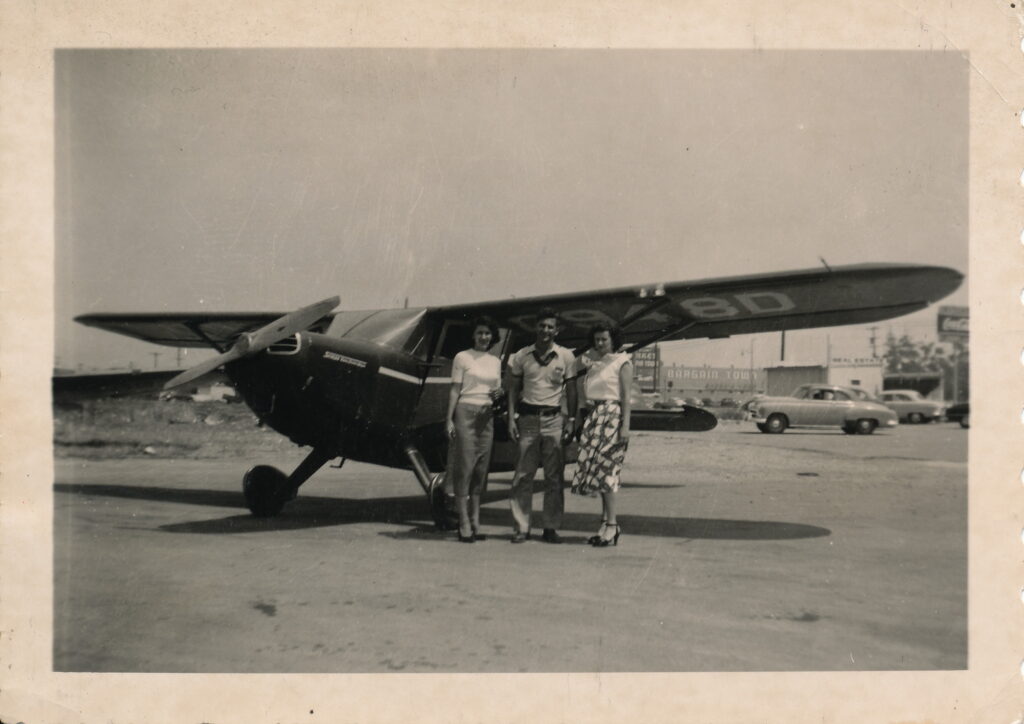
(782, 353)
(871, 340)
(752, 390)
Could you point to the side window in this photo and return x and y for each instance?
(841, 396)
(455, 337)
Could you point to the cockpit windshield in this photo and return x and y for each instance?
(398, 328)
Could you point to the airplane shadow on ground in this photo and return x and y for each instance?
(314, 512)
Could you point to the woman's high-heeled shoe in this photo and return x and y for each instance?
(613, 541)
(592, 540)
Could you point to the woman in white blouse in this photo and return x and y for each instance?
(606, 377)
(476, 383)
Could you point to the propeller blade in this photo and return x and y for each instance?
(262, 338)
(289, 324)
(203, 368)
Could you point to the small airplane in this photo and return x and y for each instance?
(372, 386)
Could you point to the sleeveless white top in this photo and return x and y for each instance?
(479, 373)
(602, 381)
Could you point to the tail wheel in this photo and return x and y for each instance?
(915, 418)
(266, 490)
(442, 506)
(776, 424)
(865, 426)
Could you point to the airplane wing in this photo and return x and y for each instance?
(185, 329)
(715, 308)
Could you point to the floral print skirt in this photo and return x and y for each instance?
(601, 454)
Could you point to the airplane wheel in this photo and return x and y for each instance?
(776, 424)
(265, 490)
(915, 418)
(441, 508)
(865, 426)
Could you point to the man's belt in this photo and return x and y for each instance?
(525, 408)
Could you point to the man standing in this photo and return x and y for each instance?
(539, 374)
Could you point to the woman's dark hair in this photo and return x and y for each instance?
(490, 324)
(613, 331)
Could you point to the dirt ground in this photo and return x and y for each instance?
(740, 552)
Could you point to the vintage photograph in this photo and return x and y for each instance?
(676, 339)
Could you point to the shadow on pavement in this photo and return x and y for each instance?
(313, 512)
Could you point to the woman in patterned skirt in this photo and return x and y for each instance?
(606, 377)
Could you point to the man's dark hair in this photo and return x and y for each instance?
(547, 313)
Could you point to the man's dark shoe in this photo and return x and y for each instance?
(520, 537)
(551, 536)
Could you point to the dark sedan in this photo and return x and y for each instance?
(960, 412)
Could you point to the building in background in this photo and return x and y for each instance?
(862, 372)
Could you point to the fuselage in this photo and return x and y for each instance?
(355, 398)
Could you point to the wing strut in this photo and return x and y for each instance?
(661, 335)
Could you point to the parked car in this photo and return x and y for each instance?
(728, 402)
(821, 405)
(912, 407)
(960, 412)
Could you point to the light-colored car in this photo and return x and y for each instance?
(821, 405)
(912, 407)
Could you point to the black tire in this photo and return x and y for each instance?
(776, 424)
(864, 426)
(965, 421)
(266, 490)
(442, 507)
(915, 418)
(762, 427)
(850, 428)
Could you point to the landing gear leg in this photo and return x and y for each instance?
(442, 504)
(267, 489)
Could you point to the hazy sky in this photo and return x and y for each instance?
(264, 180)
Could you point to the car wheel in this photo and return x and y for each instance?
(915, 418)
(965, 421)
(865, 426)
(762, 427)
(850, 428)
(776, 424)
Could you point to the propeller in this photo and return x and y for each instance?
(252, 342)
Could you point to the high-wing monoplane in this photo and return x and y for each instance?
(373, 385)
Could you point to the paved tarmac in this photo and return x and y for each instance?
(740, 552)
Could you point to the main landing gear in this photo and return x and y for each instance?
(442, 504)
(267, 489)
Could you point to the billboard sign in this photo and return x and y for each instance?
(645, 368)
(954, 324)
